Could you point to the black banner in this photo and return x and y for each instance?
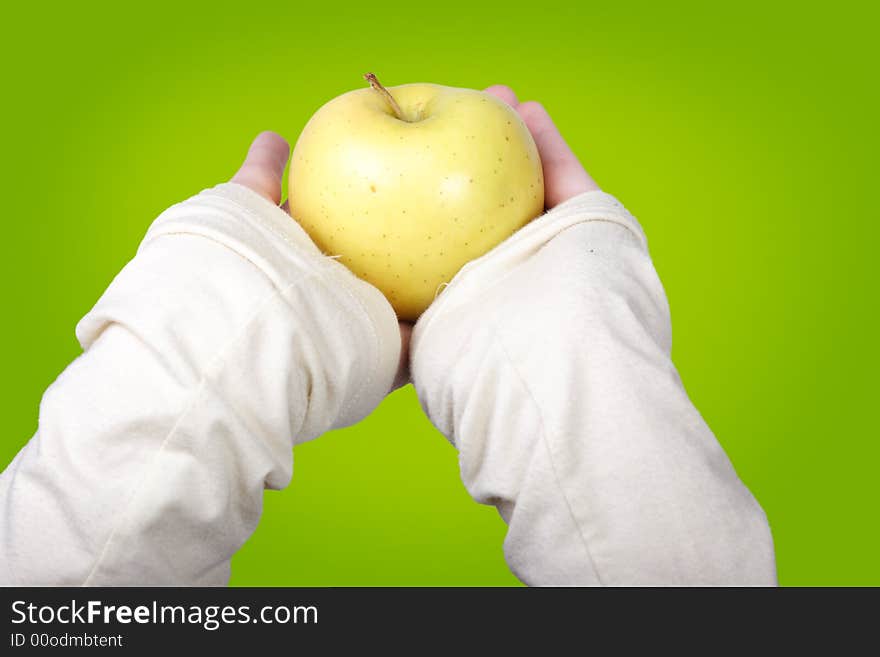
(414, 619)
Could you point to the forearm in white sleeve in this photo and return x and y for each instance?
(226, 340)
(547, 364)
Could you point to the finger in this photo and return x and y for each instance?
(263, 167)
(564, 176)
(503, 92)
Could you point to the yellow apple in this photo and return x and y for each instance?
(406, 185)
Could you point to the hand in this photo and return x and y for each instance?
(564, 177)
(262, 172)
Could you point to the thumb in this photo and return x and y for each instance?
(263, 167)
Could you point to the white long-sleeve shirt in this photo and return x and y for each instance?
(226, 340)
(230, 338)
(547, 363)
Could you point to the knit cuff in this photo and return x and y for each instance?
(480, 274)
(261, 232)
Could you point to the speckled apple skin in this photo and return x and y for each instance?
(406, 204)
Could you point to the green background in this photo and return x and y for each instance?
(743, 137)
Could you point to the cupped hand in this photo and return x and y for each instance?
(263, 172)
(564, 176)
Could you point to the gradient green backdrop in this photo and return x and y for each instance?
(743, 137)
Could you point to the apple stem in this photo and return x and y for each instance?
(374, 83)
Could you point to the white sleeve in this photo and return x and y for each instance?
(228, 339)
(547, 364)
